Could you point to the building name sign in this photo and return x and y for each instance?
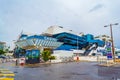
(50, 39)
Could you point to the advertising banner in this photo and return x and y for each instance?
(32, 56)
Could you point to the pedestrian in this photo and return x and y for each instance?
(16, 62)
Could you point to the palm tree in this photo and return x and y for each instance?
(46, 55)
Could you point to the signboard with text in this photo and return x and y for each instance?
(108, 50)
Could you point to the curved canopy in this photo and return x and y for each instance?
(37, 41)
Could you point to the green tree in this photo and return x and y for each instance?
(2, 52)
(51, 58)
(45, 55)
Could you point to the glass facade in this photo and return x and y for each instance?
(72, 41)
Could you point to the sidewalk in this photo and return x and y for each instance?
(110, 64)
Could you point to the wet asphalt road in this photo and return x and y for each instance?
(64, 71)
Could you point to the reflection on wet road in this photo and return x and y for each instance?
(64, 71)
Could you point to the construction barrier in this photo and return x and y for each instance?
(103, 61)
(117, 60)
(6, 60)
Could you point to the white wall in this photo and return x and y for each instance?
(62, 55)
(91, 58)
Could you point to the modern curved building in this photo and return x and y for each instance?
(57, 38)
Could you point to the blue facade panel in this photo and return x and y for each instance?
(72, 41)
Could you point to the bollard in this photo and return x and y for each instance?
(22, 61)
(16, 62)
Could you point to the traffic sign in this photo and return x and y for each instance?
(109, 57)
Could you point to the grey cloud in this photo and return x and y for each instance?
(96, 7)
(36, 16)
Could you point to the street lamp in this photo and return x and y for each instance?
(113, 50)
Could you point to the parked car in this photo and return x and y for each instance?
(2, 56)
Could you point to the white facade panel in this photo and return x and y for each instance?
(58, 29)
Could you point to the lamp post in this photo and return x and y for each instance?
(113, 50)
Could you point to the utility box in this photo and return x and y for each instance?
(32, 56)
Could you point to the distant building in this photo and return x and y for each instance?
(103, 37)
(2, 45)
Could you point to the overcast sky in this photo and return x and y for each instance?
(35, 16)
